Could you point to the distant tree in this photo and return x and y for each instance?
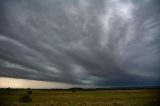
(73, 90)
(29, 92)
(76, 89)
(1, 90)
(8, 90)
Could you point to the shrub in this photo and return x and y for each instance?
(25, 98)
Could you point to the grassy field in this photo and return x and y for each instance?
(83, 98)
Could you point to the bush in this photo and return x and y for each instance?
(25, 98)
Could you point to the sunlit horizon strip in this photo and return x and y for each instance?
(6, 82)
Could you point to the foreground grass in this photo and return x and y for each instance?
(85, 98)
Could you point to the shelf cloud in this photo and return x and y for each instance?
(83, 42)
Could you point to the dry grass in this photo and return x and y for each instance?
(85, 98)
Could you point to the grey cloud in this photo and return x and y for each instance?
(85, 42)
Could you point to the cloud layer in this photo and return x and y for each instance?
(84, 42)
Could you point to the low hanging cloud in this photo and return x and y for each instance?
(83, 42)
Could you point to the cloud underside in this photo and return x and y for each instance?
(84, 42)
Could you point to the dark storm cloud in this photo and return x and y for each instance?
(85, 42)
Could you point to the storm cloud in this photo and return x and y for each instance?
(83, 42)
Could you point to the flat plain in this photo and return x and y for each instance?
(139, 97)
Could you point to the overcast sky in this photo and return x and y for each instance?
(83, 42)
